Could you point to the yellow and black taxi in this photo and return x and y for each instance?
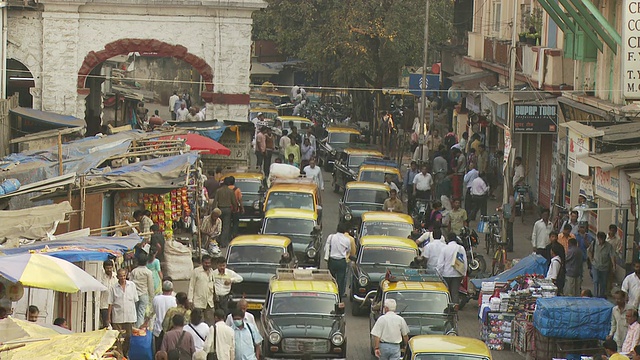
(251, 185)
(360, 197)
(345, 168)
(261, 103)
(422, 299)
(303, 315)
(270, 115)
(301, 226)
(385, 223)
(337, 138)
(256, 258)
(376, 255)
(301, 193)
(438, 347)
(376, 170)
(301, 123)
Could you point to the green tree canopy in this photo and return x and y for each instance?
(355, 42)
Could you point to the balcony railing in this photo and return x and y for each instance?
(497, 51)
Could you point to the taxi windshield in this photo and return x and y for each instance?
(402, 230)
(356, 160)
(296, 303)
(290, 200)
(248, 186)
(255, 254)
(387, 255)
(366, 196)
(448, 357)
(420, 302)
(300, 125)
(342, 138)
(288, 226)
(376, 176)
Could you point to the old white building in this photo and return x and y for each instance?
(61, 42)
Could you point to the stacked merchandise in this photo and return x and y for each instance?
(497, 330)
(167, 209)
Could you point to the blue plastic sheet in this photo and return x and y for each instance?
(215, 134)
(532, 264)
(93, 244)
(141, 347)
(573, 317)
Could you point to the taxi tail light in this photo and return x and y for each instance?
(362, 290)
(274, 348)
(337, 349)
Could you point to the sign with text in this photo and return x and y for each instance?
(536, 119)
(631, 49)
(608, 185)
(578, 147)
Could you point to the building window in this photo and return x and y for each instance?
(497, 14)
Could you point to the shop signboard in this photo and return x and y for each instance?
(535, 118)
(608, 185)
(578, 147)
(630, 46)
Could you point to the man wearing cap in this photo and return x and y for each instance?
(162, 303)
(389, 331)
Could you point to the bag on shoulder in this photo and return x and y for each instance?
(213, 355)
(178, 353)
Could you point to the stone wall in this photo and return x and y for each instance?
(55, 47)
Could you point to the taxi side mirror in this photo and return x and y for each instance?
(339, 309)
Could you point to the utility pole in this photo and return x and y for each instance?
(423, 94)
(507, 187)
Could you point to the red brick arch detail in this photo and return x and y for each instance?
(125, 46)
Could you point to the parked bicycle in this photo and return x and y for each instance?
(492, 228)
(561, 217)
(499, 263)
(522, 195)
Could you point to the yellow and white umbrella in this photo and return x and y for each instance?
(47, 272)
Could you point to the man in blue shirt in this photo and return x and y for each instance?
(247, 337)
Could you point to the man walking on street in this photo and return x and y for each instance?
(408, 184)
(452, 265)
(122, 307)
(631, 286)
(247, 337)
(228, 204)
(314, 172)
(109, 280)
(223, 279)
(393, 204)
(261, 146)
(142, 277)
(389, 332)
(178, 341)
(422, 184)
(161, 304)
(573, 267)
(601, 254)
(540, 236)
(172, 104)
(337, 251)
(220, 339)
(202, 287)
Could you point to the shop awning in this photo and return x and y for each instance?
(583, 130)
(621, 132)
(603, 115)
(474, 78)
(582, 15)
(498, 98)
(612, 160)
(48, 118)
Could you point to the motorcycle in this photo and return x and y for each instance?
(420, 211)
(476, 262)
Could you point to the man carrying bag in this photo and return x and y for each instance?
(452, 265)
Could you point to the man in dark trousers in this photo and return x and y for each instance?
(337, 251)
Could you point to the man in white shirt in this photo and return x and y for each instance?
(631, 287)
(389, 182)
(172, 104)
(312, 138)
(337, 251)
(122, 307)
(389, 331)
(314, 172)
(447, 266)
(198, 329)
(285, 141)
(201, 286)
(518, 172)
(433, 249)
(422, 183)
(248, 317)
(162, 303)
(554, 267)
(142, 277)
(223, 279)
(109, 280)
(540, 236)
(479, 194)
(224, 337)
(181, 114)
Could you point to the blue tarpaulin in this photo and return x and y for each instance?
(161, 165)
(89, 248)
(532, 264)
(48, 118)
(573, 317)
(214, 134)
